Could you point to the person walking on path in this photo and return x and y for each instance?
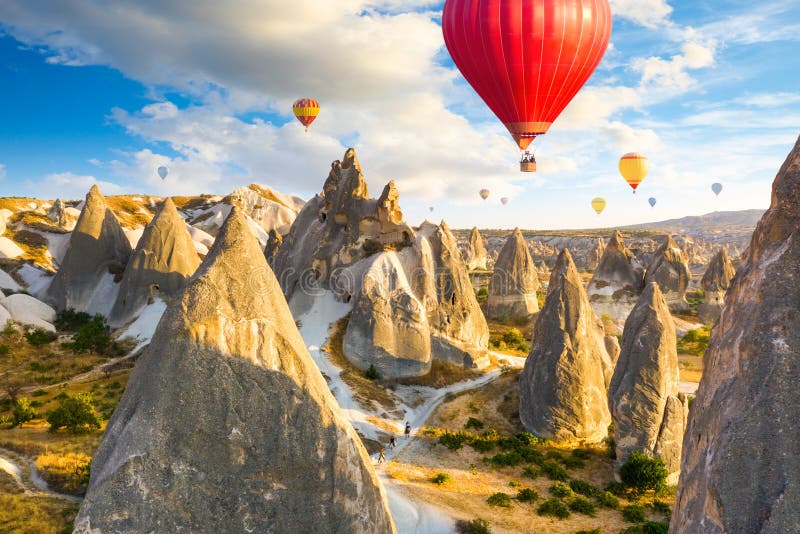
(408, 429)
(381, 456)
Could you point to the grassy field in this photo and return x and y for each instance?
(482, 479)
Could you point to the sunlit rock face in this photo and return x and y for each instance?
(617, 282)
(226, 424)
(563, 387)
(715, 283)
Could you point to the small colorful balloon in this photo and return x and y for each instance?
(599, 204)
(484, 193)
(162, 172)
(306, 111)
(504, 200)
(652, 202)
(634, 168)
(717, 188)
(430, 209)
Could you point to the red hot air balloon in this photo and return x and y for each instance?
(527, 59)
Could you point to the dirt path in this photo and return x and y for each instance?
(24, 472)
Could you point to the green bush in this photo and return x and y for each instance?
(581, 454)
(509, 459)
(555, 455)
(662, 508)
(531, 472)
(70, 320)
(39, 393)
(582, 506)
(583, 488)
(617, 488)
(454, 441)
(633, 513)
(39, 337)
(4, 349)
(500, 499)
(473, 423)
(553, 508)
(608, 500)
(482, 445)
(561, 490)
(476, 526)
(555, 471)
(573, 463)
(649, 527)
(440, 479)
(527, 495)
(93, 337)
(76, 414)
(23, 411)
(642, 473)
(490, 434)
(372, 373)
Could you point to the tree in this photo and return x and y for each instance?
(92, 337)
(642, 473)
(23, 411)
(76, 413)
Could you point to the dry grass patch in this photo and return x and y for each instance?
(37, 221)
(131, 213)
(65, 473)
(442, 374)
(26, 514)
(33, 245)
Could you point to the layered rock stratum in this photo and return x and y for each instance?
(226, 424)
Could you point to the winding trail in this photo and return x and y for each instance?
(23, 471)
(410, 515)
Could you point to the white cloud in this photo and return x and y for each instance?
(74, 186)
(665, 78)
(648, 13)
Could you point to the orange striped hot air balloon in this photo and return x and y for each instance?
(634, 168)
(306, 110)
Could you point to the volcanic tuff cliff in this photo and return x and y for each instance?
(97, 254)
(670, 271)
(411, 293)
(163, 261)
(648, 412)
(563, 387)
(741, 461)
(514, 282)
(715, 283)
(475, 253)
(226, 423)
(617, 282)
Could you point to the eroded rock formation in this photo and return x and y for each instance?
(514, 282)
(715, 283)
(670, 270)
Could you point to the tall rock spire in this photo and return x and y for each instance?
(226, 424)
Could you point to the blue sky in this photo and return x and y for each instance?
(106, 91)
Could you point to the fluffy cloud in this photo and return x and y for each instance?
(648, 13)
(664, 78)
(74, 186)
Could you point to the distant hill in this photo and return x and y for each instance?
(718, 220)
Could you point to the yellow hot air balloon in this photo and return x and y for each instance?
(484, 193)
(599, 204)
(634, 168)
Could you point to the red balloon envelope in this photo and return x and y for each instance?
(527, 59)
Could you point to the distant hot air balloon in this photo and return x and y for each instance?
(430, 209)
(527, 59)
(484, 193)
(716, 188)
(652, 202)
(599, 204)
(162, 172)
(306, 110)
(504, 200)
(634, 168)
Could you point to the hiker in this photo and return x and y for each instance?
(381, 456)
(408, 429)
(392, 442)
